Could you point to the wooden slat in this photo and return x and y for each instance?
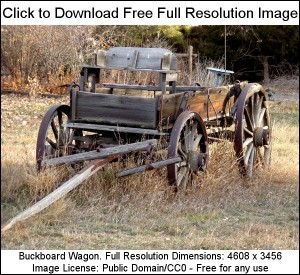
(113, 128)
(73, 103)
(104, 153)
(198, 102)
(117, 110)
(139, 58)
(131, 87)
(154, 165)
(130, 92)
(142, 88)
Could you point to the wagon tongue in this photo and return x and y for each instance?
(104, 153)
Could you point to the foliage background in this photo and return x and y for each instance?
(44, 58)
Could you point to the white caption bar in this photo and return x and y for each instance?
(150, 262)
(150, 13)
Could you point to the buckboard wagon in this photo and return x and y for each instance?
(106, 121)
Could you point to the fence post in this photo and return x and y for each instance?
(190, 63)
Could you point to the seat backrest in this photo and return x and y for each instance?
(156, 59)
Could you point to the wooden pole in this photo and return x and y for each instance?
(190, 63)
(58, 193)
(103, 153)
(151, 166)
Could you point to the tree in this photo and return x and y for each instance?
(268, 49)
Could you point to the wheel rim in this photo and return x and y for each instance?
(189, 141)
(54, 138)
(253, 140)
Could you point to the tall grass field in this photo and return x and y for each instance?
(221, 211)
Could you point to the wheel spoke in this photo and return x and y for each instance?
(193, 130)
(54, 129)
(248, 131)
(185, 179)
(181, 173)
(248, 119)
(252, 110)
(250, 166)
(187, 138)
(260, 157)
(181, 151)
(52, 143)
(196, 142)
(192, 135)
(181, 164)
(261, 115)
(258, 111)
(248, 152)
(60, 120)
(247, 142)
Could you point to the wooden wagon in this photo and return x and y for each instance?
(106, 120)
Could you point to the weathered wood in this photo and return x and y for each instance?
(154, 165)
(209, 108)
(138, 58)
(117, 110)
(57, 193)
(143, 88)
(73, 104)
(190, 63)
(130, 92)
(103, 153)
(119, 129)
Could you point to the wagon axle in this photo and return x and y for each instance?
(261, 136)
(197, 161)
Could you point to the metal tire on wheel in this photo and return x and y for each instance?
(189, 141)
(252, 140)
(54, 138)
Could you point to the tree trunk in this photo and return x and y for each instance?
(266, 69)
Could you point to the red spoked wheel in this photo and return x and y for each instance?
(189, 141)
(253, 137)
(54, 138)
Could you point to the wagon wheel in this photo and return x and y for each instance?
(54, 138)
(189, 141)
(252, 140)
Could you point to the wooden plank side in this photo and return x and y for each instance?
(117, 109)
(198, 102)
(169, 105)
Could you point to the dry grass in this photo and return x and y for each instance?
(140, 211)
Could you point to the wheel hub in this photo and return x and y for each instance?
(197, 161)
(261, 136)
